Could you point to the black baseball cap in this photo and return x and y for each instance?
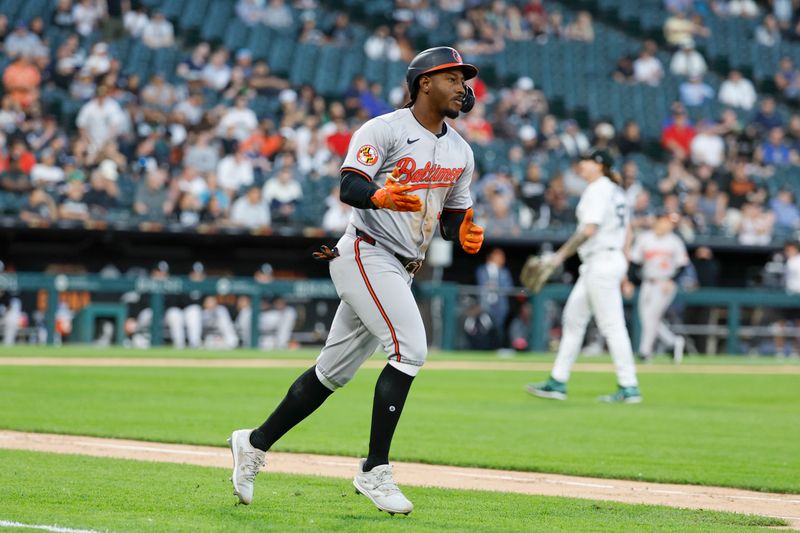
(599, 156)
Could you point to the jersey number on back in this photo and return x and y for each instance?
(621, 212)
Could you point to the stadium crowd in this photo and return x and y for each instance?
(155, 152)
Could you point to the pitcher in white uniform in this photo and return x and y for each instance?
(600, 239)
(405, 173)
(663, 258)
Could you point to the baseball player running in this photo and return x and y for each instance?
(603, 226)
(405, 172)
(663, 257)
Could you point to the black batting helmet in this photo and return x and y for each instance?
(435, 59)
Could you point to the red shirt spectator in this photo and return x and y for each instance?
(677, 137)
(18, 152)
(339, 140)
(21, 80)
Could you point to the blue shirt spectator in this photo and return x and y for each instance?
(695, 93)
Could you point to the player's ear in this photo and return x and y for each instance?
(424, 84)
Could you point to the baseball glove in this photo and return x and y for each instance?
(536, 272)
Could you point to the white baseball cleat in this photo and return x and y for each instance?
(677, 350)
(379, 486)
(247, 460)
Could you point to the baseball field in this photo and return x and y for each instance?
(720, 423)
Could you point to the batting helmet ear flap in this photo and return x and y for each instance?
(469, 100)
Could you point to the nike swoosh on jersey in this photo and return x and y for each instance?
(409, 141)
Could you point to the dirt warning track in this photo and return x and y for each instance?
(786, 506)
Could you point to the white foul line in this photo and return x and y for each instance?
(56, 529)
(149, 449)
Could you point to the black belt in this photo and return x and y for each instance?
(411, 265)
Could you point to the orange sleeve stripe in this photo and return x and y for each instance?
(375, 299)
(359, 172)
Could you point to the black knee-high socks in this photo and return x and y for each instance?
(304, 396)
(391, 391)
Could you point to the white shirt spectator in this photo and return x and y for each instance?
(793, 275)
(241, 121)
(707, 148)
(86, 15)
(381, 45)
(216, 77)
(42, 174)
(741, 8)
(250, 212)
(284, 191)
(158, 33)
(24, 43)
(193, 111)
(251, 12)
(135, 22)
(648, 70)
(337, 216)
(103, 120)
(99, 62)
(234, 172)
(737, 93)
(277, 14)
(689, 63)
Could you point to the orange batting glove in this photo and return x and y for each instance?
(395, 197)
(470, 234)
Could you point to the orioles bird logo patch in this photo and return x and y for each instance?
(367, 155)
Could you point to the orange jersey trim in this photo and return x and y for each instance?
(359, 172)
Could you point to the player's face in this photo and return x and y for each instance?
(588, 169)
(447, 92)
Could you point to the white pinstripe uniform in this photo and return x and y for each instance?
(381, 249)
(661, 258)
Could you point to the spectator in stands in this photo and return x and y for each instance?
(499, 218)
(712, 204)
(234, 172)
(741, 189)
(737, 91)
(217, 74)
(787, 213)
(631, 181)
(767, 117)
(630, 139)
(40, 209)
(677, 137)
(62, 17)
(755, 226)
(688, 62)
(19, 154)
(678, 6)
(787, 79)
(238, 122)
(158, 99)
(532, 193)
(561, 213)
(309, 33)
(264, 83)
(623, 72)
(647, 68)
(158, 32)
(775, 151)
(381, 45)
(21, 81)
(783, 11)
(150, 199)
(678, 29)
(340, 34)
(678, 180)
(86, 14)
(72, 206)
(187, 210)
(581, 29)
(250, 210)
(707, 147)
(277, 15)
(573, 141)
(337, 213)
(47, 173)
(475, 127)
(495, 283)
(103, 192)
(768, 33)
(98, 63)
(191, 68)
(22, 42)
(738, 8)
(252, 12)
(695, 92)
(100, 120)
(135, 20)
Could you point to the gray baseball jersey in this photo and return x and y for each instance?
(378, 307)
(438, 169)
(660, 257)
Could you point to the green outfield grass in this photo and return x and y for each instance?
(730, 430)
(116, 495)
(311, 353)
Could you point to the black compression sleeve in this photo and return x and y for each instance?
(450, 222)
(633, 273)
(355, 190)
(679, 273)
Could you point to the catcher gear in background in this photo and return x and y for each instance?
(536, 272)
(393, 196)
(440, 58)
(470, 235)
